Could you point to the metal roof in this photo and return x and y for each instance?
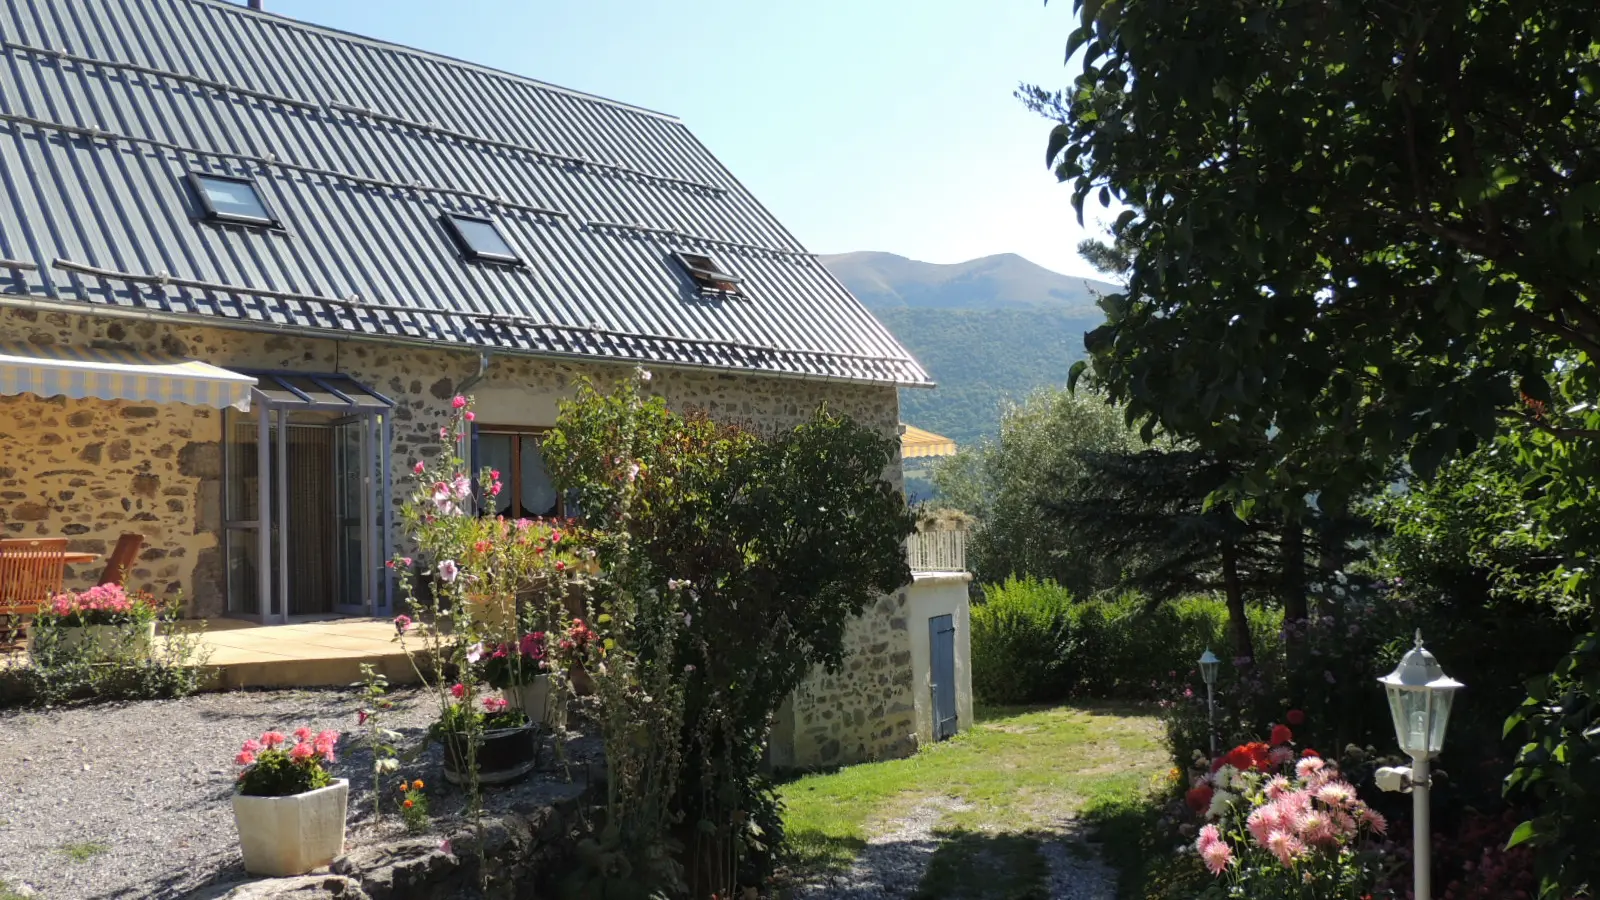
(359, 147)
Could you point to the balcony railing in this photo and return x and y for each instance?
(937, 551)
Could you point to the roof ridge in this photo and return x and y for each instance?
(341, 34)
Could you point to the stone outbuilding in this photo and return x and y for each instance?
(245, 261)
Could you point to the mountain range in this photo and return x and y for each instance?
(989, 330)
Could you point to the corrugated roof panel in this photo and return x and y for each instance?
(106, 104)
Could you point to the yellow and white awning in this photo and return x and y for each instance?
(916, 443)
(81, 372)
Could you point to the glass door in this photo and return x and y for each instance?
(352, 489)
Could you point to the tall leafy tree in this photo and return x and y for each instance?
(1042, 444)
(1364, 226)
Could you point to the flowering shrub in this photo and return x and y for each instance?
(414, 806)
(275, 768)
(1282, 827)
(105, 604)
(462, 717)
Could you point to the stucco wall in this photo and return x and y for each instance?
(157, 469)
(931, 595)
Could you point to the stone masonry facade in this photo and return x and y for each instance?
(91, 470)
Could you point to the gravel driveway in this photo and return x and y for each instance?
(131, 800)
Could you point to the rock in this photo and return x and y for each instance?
(304, 887)
(394, 870)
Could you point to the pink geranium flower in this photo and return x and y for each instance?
(252, 746)
(245, 758)
(272, 739)
(302, 733)
(302, 752)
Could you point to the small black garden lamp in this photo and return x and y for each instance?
(1420, 696)
(1209, 664)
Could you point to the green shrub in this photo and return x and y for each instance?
(1033, 643)
(1022, 642)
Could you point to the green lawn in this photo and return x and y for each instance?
(1016, 775)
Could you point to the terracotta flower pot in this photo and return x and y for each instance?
(504, 755)
(580, 679)
(291, 835)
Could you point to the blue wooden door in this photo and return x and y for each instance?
(942, 661)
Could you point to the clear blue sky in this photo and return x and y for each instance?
(863, 124)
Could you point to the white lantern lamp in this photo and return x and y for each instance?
(1209, 665)
(1420, 697)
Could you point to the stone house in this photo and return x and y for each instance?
(245, 261)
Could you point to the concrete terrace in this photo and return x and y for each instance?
(325, 653)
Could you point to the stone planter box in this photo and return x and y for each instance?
(541, 700)
(292, 835)
(504, 755)
(109, 640)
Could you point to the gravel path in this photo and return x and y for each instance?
(1077, 872)
(893, 862)
(131, 800)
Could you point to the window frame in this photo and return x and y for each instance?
(210, 213)
(514, 483)
(469, 253)
(715, 278)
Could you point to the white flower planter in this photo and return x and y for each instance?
(109, 640)
(540, 701)
(291, 835)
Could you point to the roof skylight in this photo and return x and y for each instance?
(479, 239)
(708, 273)
(226, 198)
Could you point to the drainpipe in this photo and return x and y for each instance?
(472, 381)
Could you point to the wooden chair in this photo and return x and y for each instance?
(31, 572)
(121, 559)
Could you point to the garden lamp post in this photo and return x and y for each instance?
(1420, 695)
(1209, 664)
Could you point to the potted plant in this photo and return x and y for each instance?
(572, 649)
(290, 812)
(104, 621)
(521, 672)
(506, 746)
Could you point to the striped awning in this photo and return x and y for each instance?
(81, 372)
(916, 443)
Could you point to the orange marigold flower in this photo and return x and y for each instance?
(409, 804)
(417, 785)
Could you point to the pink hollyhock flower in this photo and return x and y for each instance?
(475, 652)
(444, 433)
(458, 690)
(494, 474)
(272, 739)
(406, 560)
(302, 752)
(461, 485)
(469, 415)
(420, 467)
(361, 717)
(448, 571)
(244, 758)
(402, 623)
(1217, 856)
(494, 489)
(458, 401)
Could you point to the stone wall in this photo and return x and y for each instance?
(865, 710)
(157, 469)
(92, 470)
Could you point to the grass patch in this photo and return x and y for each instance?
(1018, 770)
(973, 865)
(84, 851)
(6, 893)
